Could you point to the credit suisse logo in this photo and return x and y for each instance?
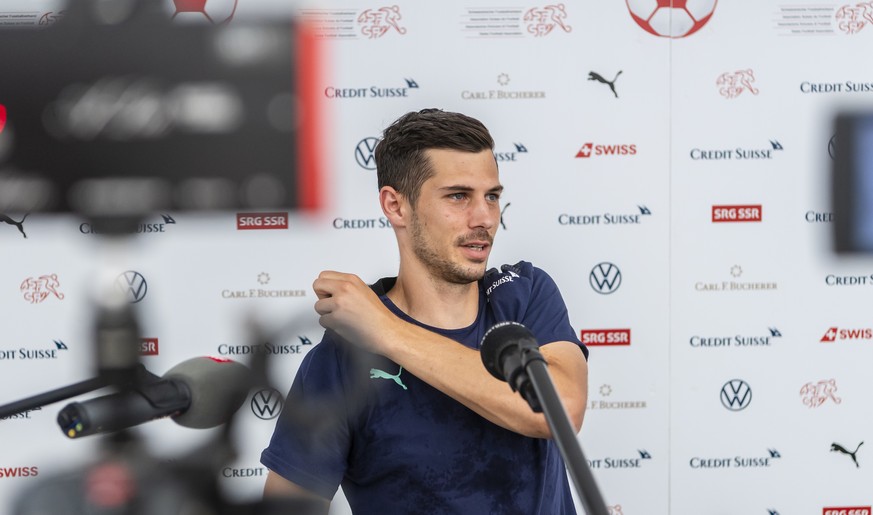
(626, 218)
(395, 90)
(836, 87)
(737, 213)
(21, 415)
(25, 354)
(153, 227)
(259, 221)
(849, 280)
(739, 340)
(591, 149)
(847, 510)
(605, 337)
(740, 462)
(511, 155)
(738, 153)
(630, 461)
(835, 333)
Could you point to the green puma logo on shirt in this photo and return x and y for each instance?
(375, 373)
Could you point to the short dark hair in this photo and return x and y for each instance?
(400, 155)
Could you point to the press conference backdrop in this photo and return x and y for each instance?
(677, 189)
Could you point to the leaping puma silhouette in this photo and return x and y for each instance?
(835, 447)
(20, 225)
(599, 78)
(375, 373)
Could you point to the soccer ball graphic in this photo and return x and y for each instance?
(216, 12)
(671, 18)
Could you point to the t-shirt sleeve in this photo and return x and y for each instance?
(310, 443)
(546, 315)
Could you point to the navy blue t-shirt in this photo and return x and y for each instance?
(398, 445)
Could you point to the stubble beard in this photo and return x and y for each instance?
(441, 266)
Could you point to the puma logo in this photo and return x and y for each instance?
(599, 78)
(20, 225)
(375, 373)
(835, 447)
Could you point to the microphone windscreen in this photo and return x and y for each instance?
(501, 338)
(218, 388)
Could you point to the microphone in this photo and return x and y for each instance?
(200, 393)
(506, 349)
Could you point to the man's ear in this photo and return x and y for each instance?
(395, 206)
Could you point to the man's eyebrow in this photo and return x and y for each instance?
(464, 187)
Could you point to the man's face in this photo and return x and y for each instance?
(454, 220)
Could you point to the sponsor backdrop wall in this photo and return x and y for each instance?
(676, 189)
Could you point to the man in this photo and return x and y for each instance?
(430, 430)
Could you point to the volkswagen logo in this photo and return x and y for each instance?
(605, 278)
(267, 404)
(133, 285)
(736, 395)
(364, 153)
(832, 147)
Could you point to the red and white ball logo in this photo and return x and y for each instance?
(671, 18)
(216, 12)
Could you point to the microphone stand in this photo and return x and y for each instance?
(562, 432)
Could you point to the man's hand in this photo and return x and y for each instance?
(349, 307)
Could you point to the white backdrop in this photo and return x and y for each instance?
(632, 178)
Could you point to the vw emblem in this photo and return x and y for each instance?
(267, 404)
(832, 147)
(364, 153)
(605, 278)
(133, 285)
(736, 395)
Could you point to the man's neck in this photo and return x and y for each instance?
(435, 302)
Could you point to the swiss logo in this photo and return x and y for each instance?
(605, 337)
(256, 221)
(834, 333)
